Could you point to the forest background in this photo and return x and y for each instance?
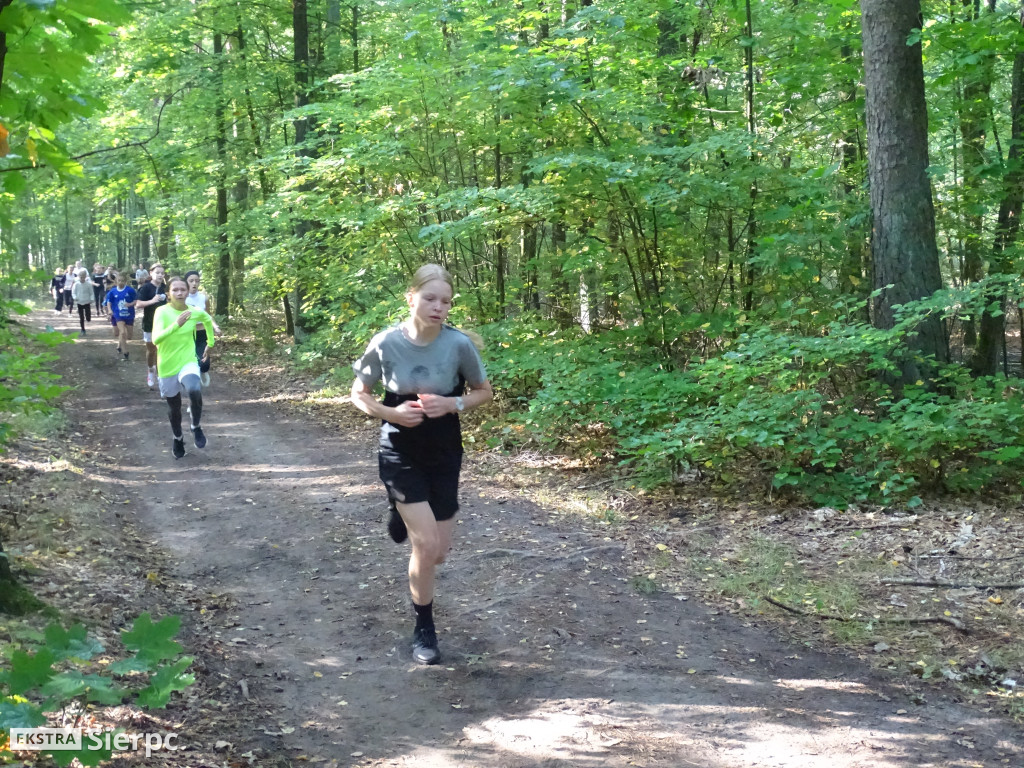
(768, 242)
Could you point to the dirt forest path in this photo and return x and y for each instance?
(550, 657)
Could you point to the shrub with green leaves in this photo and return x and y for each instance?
(26, 383)
(44, 674)
(806, 411)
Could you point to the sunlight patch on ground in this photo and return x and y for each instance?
(743, 735)
(828, 685)
(558, 735)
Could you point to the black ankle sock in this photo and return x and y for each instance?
(424, 615)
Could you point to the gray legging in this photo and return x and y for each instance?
(194, 389)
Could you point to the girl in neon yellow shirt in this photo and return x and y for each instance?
(174, 334)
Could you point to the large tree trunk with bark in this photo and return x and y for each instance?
(903, 249)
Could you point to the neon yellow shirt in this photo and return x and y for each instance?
(176, 346)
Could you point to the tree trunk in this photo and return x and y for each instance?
(852, 278)
(903, 247)
(332, 37)
(974, 113)
(499, 234)
(3, 43)
(991, 333)
(300, 33)
(240, 246)
(223, 251)
(266, 186)
(750, 277)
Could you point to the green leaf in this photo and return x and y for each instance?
(72, 643)
(69, 685)
(29, 671)
(168, 679)
(87, 755)
(152, 642)
(127, 666)
(15, 712)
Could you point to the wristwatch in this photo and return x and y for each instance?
(460, 404)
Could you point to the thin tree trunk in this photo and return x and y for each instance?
(751, 269)
(3, 43)
(986, 358)
(852, 277)
(499, 245)
(223, 249)
(300, 31)
(974, 112)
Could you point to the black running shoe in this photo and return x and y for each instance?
(178, 447)
(424, 646)
(199, 437)
(396, 527)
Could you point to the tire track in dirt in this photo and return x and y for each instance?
(550, 658)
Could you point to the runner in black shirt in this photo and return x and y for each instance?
(152, 294)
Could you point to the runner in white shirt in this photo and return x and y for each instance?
(200, 300)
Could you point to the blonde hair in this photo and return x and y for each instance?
(429, 272)
(83, 272)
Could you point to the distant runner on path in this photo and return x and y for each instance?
(121, 300)
(174, 332)
(200, 300)
(57, 290)
(98, 290)
(424, 365)
(82, 293)
(69, 282)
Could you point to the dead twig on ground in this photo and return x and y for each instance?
(947, 584)
(522, 553)
(956, 623)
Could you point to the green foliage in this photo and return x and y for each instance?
(49, 44)
(44, 674)
(807, 413)
(26, 384)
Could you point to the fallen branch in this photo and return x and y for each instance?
(547, 555)
(883, 620)
(947, 584)
(876, 527)
(933, 556)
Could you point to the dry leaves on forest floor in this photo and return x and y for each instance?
(73, 549)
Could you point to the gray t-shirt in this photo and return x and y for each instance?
(406, 368)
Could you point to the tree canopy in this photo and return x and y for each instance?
(658, 213)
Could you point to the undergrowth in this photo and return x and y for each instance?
(805, 408)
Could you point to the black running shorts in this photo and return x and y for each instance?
(435, 480)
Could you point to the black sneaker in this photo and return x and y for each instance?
(199, 437)
(178, 447)
(396, 527)
(424, 646)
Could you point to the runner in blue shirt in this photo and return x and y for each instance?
(121, 300)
